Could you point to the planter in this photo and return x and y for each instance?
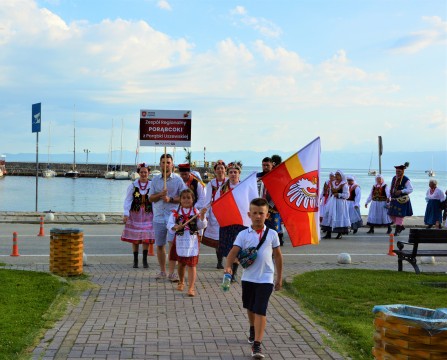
(405, 332)
(66, 251)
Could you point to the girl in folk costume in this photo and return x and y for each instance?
(227, 234)
(378, 212)
(433, 212)
(336, 216)
(186, 228)
(324, 196)
(211, 235)
(354, 204)
(400, 204)
(138, 215)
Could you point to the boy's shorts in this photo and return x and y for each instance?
(161, 234)
(255, 297)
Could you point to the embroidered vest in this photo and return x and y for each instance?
(398, 186)
(180, 219)
(352, 193)
(378, 193)
(140, 200)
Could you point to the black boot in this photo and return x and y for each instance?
(328, 234)
(371, 230)
(339, 236)
(281, 241)
(397, 230)
(389, 230)
(145, 264)
(135, 259)
(234, 269)
(355, 231)
(219, 260)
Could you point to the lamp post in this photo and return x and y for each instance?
(86, 161)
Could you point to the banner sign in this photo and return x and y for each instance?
(35, 117)
(165, 128)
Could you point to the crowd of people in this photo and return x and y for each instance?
(176, 210)
(340, 204)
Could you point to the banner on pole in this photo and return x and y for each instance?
(35, 117)
(165, 128)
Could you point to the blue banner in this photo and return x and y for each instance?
(36, 117)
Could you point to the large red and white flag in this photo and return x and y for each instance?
(233, 206)
(293, 186)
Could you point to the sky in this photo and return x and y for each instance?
(256, 74)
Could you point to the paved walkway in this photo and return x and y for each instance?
(130, 315)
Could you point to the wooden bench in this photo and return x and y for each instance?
(417, 237)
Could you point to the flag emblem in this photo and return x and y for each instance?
(301, 193)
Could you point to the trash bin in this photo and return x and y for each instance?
(66, 251)
(409, 332)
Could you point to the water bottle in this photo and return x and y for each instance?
(226, 281)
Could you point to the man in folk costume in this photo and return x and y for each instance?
(355, 194)
(378, 212)
(193, 183)
(400, 205)
(273, 221)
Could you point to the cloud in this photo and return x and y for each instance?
(164, 4)
(437, 120)
(417, 41)
(263, 26)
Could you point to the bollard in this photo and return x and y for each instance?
(15, 246)
(391, 247)
(41, 231)
(151, 250)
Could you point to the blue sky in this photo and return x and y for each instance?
(257, 75)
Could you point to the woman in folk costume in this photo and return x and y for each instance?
(336, 217)
(138, 215)
(378, 212)
(433, 212)
(324, 196)
(186, 228)
(211, 235)
(400, 204)
(227, 234)
(355, 194)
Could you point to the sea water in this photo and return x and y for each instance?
(18, 193)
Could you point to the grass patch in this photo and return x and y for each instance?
(342, 300)
(30, 303)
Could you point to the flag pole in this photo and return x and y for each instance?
(164, 171)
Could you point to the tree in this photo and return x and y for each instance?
(188, 155)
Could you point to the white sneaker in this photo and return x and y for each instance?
(161, 275)
(173, 277)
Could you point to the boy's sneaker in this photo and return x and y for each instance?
(161, 275)
(173, 277)
(256, 352)
(251, 337)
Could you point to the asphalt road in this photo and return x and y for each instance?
(102, 245)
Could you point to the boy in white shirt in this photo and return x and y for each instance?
(258, 278)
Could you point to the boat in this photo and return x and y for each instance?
(110, 174)
(48, 173)
(2, 165)
(121, 175)
(371, 172)
(73, 173)
(154, 173)
(431, 172)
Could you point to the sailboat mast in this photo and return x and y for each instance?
(74, 137)
(121, 152)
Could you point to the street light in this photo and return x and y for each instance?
(86, 161)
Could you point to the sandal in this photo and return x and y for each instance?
(180, 286)
(191, 293)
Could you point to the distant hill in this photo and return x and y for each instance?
(333, 159)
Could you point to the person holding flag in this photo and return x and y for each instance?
(231, 207)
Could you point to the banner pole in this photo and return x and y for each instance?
(37, 169)
(164, 170)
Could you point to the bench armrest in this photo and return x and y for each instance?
(400, 244)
